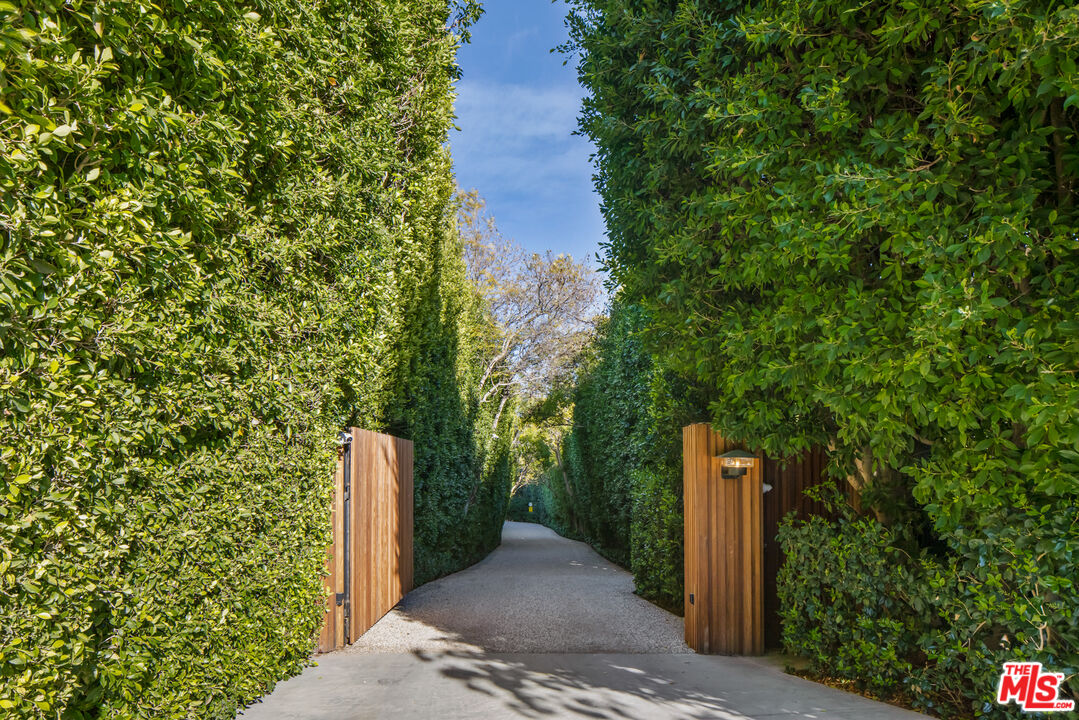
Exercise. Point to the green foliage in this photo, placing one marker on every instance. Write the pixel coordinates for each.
(863, 604)
(657, 540)
(853, 602)
(536, 493)
(215, 219)
(622, 487)
(997, 603)
(855, 224)
(462, 460)
(559, 506)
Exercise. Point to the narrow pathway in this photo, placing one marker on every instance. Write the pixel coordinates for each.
(537, 593)
(544, 628)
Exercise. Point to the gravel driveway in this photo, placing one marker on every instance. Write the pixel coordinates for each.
(545, 628)
(537, 593)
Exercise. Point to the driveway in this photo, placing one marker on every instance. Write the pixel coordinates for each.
(544, 628)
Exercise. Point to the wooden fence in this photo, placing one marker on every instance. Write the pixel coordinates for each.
(789, 482)
(369, 563)
(731, 554)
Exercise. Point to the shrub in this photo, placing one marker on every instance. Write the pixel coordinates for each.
(861, 605)
(215, 218)
(853, 602)
(657, 541)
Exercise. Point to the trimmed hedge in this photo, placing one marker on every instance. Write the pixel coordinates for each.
(623, 459)
(855, 602)
(863, 603)
(218, 221)
(463, 467)
(536, 493)
(856, 225)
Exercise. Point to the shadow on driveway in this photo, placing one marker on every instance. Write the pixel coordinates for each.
(545, 628)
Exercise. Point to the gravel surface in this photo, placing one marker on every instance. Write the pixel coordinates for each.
(545, 628)
(537, 593)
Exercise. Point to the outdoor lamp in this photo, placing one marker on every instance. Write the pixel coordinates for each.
(735, 463)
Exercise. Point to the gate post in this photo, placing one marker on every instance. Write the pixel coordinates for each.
(724, 548)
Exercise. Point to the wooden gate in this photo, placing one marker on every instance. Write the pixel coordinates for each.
(369, 563)
(724, 555)
(731, 554)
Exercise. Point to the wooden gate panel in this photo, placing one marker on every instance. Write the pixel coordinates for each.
(333, 624)
(695, 541)
(376, 563)
(405, 574)
(732, 557)
(723, 560)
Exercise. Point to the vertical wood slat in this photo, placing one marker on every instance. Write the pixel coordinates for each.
(405, 510)
(789, 481)
(381, 527)
(690, 533)
(718, 578)
(339, 630)
(705, 540)
(724, 553)
(362, 566)
(332, 633)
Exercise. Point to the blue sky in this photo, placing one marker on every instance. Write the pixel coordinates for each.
(517, 108)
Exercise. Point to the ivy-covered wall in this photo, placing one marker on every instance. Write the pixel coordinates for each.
(856, 225)
(225, 234)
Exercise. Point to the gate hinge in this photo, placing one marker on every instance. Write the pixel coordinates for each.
(340, 598)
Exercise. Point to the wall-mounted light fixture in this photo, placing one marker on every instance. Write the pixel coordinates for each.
(735, 463)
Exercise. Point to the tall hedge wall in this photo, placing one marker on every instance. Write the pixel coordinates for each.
(622, 485)
(463, 468)
(538, 495)
(856, 224)
(218, 221)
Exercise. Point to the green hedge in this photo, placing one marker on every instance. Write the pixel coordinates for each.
(856, 225)
(536, 493)
(863, 603)
(623, 459)
(855, 602)
(463, 466)
(215, 220)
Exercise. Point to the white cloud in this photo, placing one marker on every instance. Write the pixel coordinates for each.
(517, 147)
(515, 113)
(520, 137)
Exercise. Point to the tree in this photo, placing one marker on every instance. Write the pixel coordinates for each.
(543, 308)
